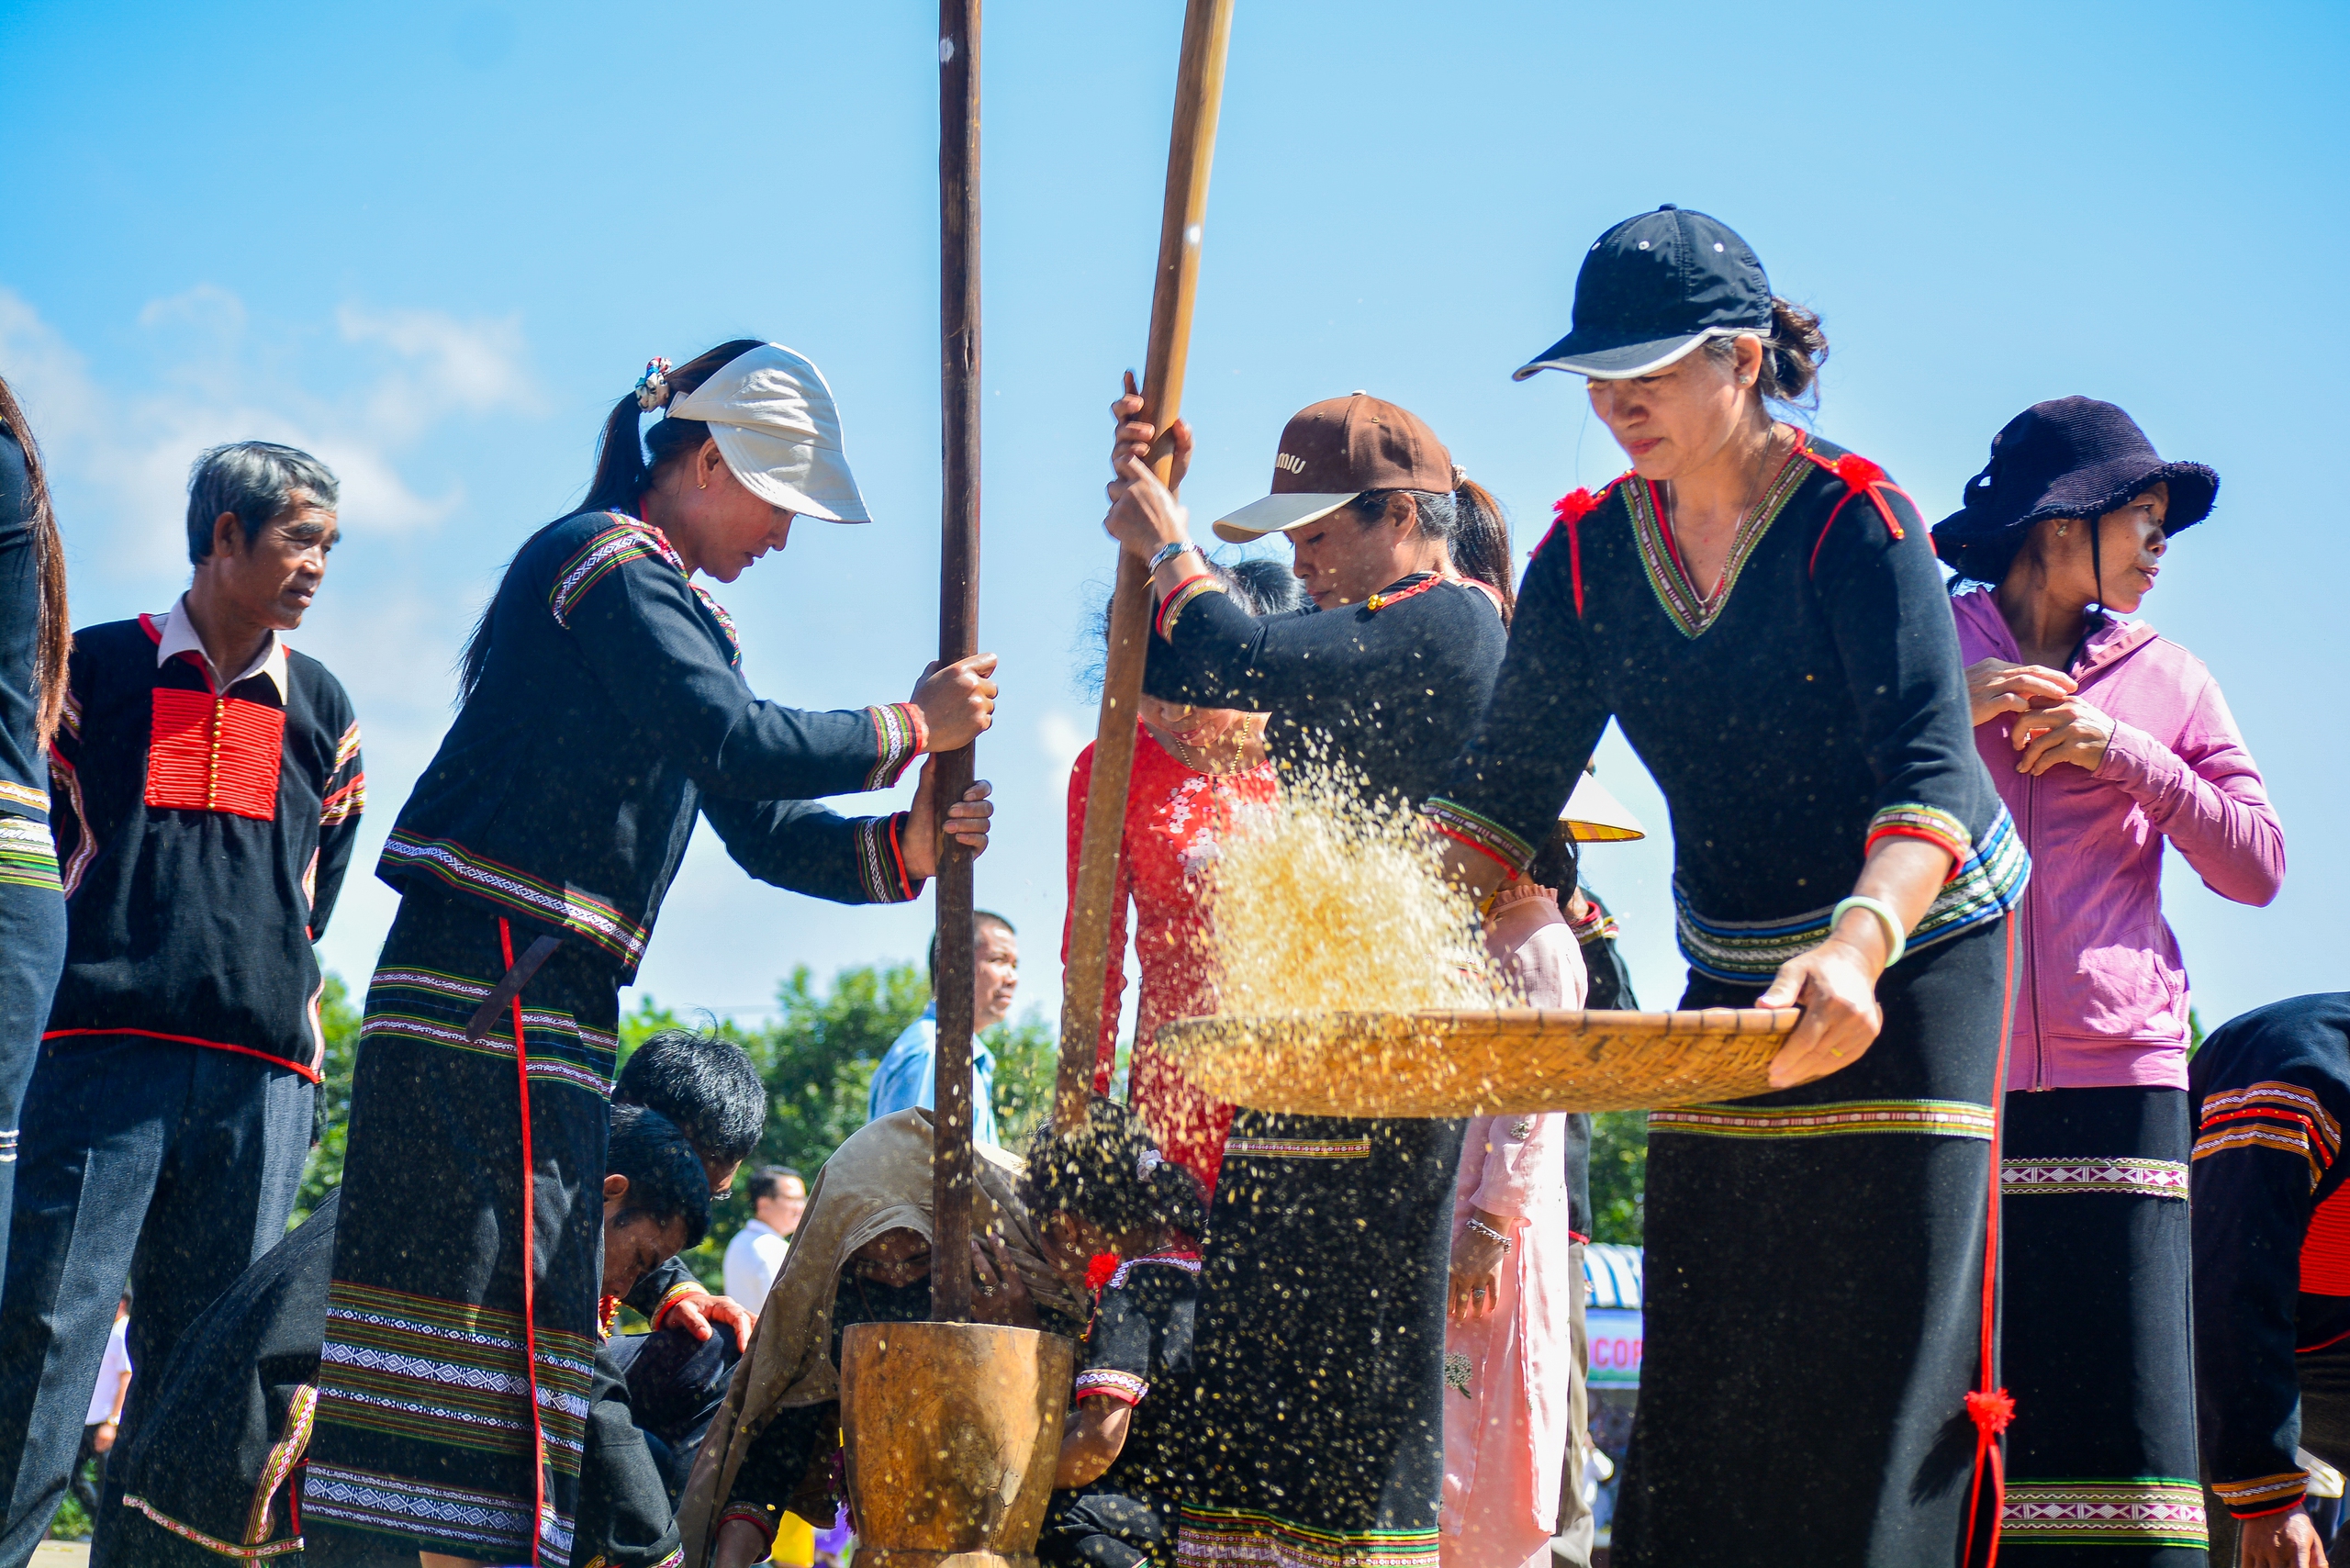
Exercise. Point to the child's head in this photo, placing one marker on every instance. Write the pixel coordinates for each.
(706, 1086)
(1104, 1188)
(656, 1196)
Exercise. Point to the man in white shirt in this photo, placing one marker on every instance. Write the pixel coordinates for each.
(778, 1197)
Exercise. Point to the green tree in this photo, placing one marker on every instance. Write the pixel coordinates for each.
(1619, 1175)
(817, 1057)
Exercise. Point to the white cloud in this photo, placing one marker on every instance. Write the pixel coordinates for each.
(1061, 739)
(120, 438)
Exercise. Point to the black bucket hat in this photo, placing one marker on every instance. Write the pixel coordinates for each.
(2069, 457)
(1652, 288)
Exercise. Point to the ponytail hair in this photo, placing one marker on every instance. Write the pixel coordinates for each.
(623, 470)
(53, 634)
(1468, 522)
(1481, 542)
(1792, 355)
(1110, 1174)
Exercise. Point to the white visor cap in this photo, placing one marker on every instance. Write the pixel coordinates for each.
(778, 428)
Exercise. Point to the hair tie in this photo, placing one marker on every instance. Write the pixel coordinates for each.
(1460, 476)
(652, 388)
(1149, 1161)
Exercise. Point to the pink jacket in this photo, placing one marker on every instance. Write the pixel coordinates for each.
(2100, 992)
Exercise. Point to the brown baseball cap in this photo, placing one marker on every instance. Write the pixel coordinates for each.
(1333, 451)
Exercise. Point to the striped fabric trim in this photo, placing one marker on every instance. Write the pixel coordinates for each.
(2272, 1115)
(346, 748)
(430, 1008)
(286, 1454)
(1297, 1148)
(1936, 826)
(86, 842)
(1187, 1262)
(1940, 1118)
(450, 1373)
(624, 540)
(28, 855)
(898, 732)
(1181, 600)
(2130, 1177)
(676, 1556)
(2152, 1510)
(725, 624)
(1226, 1537)
(1691, 612)
(880, 863)
(1124, 1387)
(69, 719)
(344, 805)
(583, 913)
(8, 1147)
(1479, 833)
(212, 1543)
(2262, 1493)
(37, 798)
(394, 1505)
(1987, 886)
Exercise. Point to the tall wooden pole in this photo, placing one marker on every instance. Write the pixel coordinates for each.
(958, 623)
(1190, 149)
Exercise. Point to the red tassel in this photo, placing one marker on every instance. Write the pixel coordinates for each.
(1575, 504)
(1104, 1264)
(1991, 1412)
(1857, 471)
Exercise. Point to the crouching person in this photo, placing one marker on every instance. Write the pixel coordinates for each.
(206, 1479)
(862, 1255)
(2271, 1218)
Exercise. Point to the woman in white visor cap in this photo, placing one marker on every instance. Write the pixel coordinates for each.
(604, 710)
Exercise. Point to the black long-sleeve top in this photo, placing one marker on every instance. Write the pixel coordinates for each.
(611, 711)
(1389, 687)
(24, 772)
(202, 837)
(2271, 1217)
(1812, 705)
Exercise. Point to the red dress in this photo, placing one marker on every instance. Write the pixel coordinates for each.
(1174, 819)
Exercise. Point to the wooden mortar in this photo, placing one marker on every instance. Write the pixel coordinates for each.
(952, 1432)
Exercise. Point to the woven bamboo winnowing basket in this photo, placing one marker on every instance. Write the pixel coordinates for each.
(1508, 1061)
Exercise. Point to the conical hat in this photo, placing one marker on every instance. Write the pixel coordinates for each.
(1594, 816)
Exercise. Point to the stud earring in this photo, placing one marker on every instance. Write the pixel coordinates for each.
(702, 482)
(2063, 529)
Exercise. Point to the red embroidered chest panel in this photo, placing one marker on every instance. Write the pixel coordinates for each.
(209, 753)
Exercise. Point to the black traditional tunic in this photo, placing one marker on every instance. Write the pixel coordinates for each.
(1321, 1323)
(1138, 1353)
(610, 713)
(211, 1477)
(2271, 1218)
(1813, 1256)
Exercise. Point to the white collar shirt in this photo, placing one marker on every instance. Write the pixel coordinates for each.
(178, 636)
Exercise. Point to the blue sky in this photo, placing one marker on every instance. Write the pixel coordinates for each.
(434, 242)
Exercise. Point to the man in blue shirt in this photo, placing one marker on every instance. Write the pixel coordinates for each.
(907, 1075)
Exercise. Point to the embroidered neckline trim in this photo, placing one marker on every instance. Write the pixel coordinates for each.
(1692, 612)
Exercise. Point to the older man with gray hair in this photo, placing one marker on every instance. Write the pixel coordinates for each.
(207, 788)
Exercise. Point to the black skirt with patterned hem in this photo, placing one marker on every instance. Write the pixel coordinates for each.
(2102, 1460)
(1319, 1433)
(1813, 1296)
(424, 1430)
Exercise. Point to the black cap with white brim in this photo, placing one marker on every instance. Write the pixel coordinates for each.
(1655, 288)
